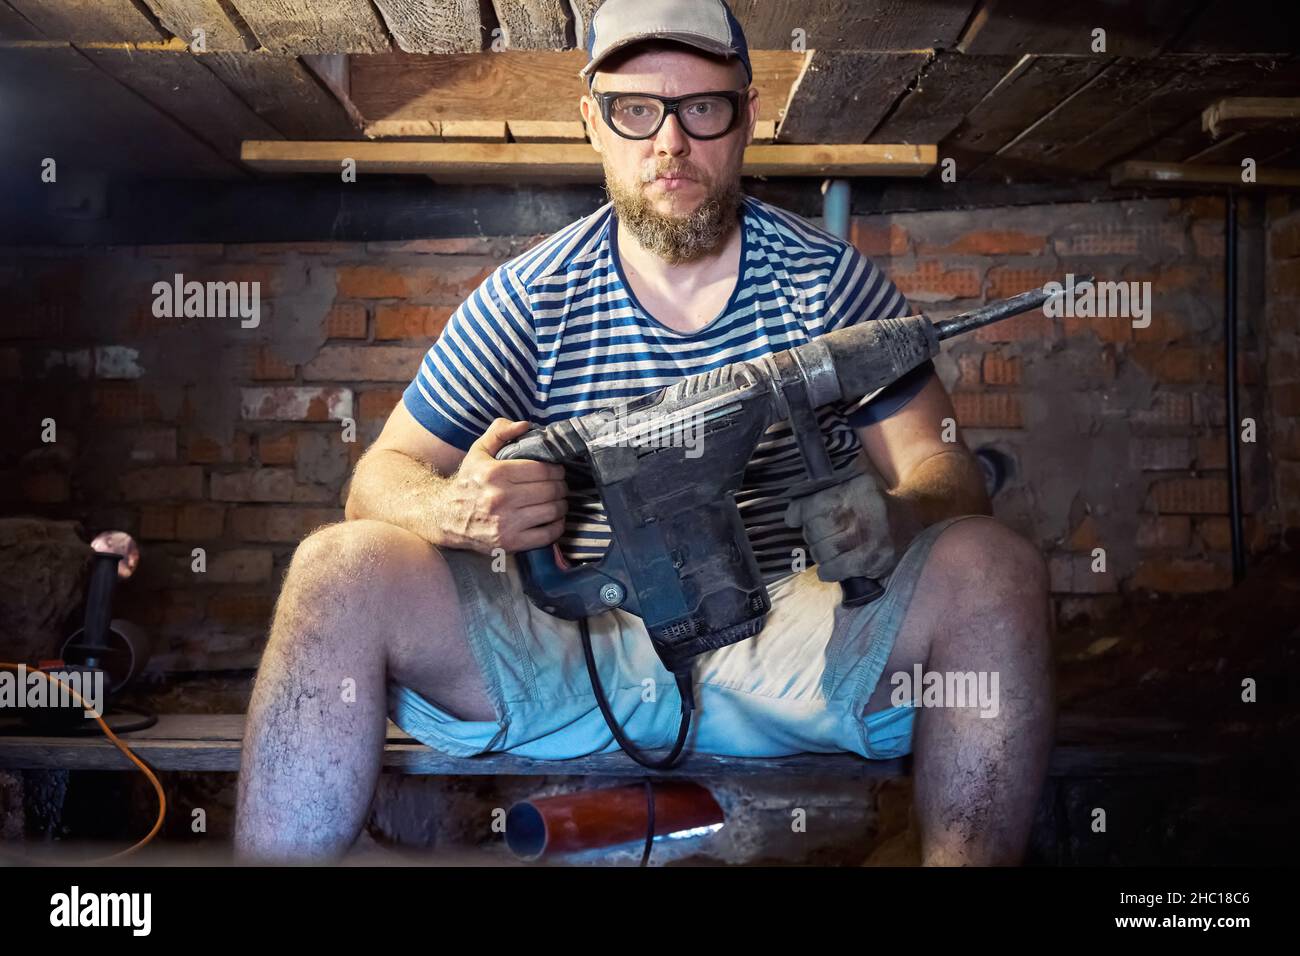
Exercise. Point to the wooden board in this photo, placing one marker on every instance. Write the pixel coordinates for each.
(315, 26)
(86, 121)
(1229, 26)
(1133, 28)
(841, 97)
(103, 20)
(578, 162)
(513, 84)
(1182, 175)
(852, 24)
(212, 742)
(284, 93)
(950, 86)
(1237, 113)
(545, 131)
(438, 26)
(535, 24)
(220, 31)
(180, 86)
(15, 26)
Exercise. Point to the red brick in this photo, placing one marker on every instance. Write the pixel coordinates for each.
(1001, 370)
(1174, 278)
(1284, 278)
(968, 372)
(1180, 575)
(988, 242)
(153, 444)
(364, 363)
(1122, 240)
(1164, 532)
(1285, 399)
(932, 281)
(1026, 327)
(157, 523)
(262, 484)
(46, 488)
(1085, 536)
(240, 608)
(455, 246)
(1284, 237)
(1211, 453)
(278, 524)
(1167, 410)
(1286, 439)
(411, 321)
(450, 280)
(1160, 454)
(266, 366)
(303, 404)
(1006, 281)
(124, 402)
(346, 320)
(240, 566)
(200, 522)
(276, 449)
(378, 403)
(1180, 365)
(988, 409)
(1189, 496)
(154, 484)
(208, 450)
(877, 240)
(1207, 237)
(293, 248)
(1216, 534)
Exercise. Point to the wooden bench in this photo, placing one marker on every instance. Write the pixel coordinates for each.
(1086, 747)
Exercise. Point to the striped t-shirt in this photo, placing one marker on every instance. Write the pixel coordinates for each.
(556, 332)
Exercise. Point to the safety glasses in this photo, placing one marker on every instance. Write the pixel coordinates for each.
(639, 115)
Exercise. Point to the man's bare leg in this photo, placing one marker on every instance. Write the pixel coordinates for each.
(980, 605)
(362, 601)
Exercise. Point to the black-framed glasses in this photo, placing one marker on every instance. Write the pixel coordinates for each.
(702, 115)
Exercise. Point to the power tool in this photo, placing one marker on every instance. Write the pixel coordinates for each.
(679, 557)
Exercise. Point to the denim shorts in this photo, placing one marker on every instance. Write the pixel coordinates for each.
(801, 685)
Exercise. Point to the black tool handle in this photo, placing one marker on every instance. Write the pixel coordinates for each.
(859, 591)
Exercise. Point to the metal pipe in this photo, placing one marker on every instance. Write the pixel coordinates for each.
(1230, 384)
(836, 199)
(1004, 308)
(589, 819)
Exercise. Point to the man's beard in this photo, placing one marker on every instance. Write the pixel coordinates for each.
(677, 238)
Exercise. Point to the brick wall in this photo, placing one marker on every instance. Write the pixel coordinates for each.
(197, 433)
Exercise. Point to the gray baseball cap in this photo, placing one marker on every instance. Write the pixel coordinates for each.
(708, 25)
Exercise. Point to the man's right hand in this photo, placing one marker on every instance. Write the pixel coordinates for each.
(513, 505)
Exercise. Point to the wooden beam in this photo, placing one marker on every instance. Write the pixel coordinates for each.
(1234, 114)
(1030, 26)
(487, 162)
(178, 85)
(535, 24)
(221, 31)
(333, 70)
(851, 24)
(513, 84)
(1136, 173)
(1228, 26)
(477, 131)
(425, 130)
(315, 26)
(438, 26)
(546, 131)
(15, 26)
(283, 92)
(841, 97)
(950, 86)
(118, 21)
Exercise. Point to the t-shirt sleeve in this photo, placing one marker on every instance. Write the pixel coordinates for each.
(482, 366)
(860, 292)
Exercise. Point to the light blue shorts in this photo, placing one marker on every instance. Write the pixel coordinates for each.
(801, 685)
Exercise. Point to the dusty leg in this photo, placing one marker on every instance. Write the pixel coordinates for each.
(980, 605)
(362, 601)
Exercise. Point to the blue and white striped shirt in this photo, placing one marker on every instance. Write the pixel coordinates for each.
(556, 332)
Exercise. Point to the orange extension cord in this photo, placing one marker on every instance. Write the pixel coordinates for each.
(117, 742)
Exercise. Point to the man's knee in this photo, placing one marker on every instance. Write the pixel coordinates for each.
(982, 555)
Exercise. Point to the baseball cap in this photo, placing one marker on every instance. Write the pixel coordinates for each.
(708, 25)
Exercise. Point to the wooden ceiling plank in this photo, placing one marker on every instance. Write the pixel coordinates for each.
(15, 26)
(571, 162)
(840, 97)
(178, 85)
(315, 26)
(479, 131)
(1027, 93)
(950, 87)
(1259, 145)
(1227, 26)
(422, 130)
(547, 131)
(184, 18)
(69, 104)
(1237, 113)
(535, 24)
(438, 26)
(1136, 173)
(545, 84)
(880, 25)
(283, 92)
(118, 21)
(334, 71)
(1132, 29)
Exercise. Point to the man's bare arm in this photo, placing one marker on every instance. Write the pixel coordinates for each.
(455, 499)
(934, 479)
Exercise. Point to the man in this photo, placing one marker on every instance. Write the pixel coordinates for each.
(415, 601)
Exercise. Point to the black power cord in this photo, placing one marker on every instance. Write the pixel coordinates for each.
(632, 750)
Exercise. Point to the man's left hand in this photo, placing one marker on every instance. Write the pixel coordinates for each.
(853, 529)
